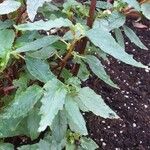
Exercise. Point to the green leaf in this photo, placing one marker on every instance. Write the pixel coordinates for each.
(26, 38)
(49, 7)
(75, 118)
(38, 44)
(74, 81)
(103, 5)
(101, 23)
(133, 37)
(60, 45)
(29, 147)
(88, 144)
(32, 7)
(45, 25)
(145, 8)
(9, 6)
(6, 146)
(6, 40)
(70, 146)
(95, 103)
(5, 24)
(115, 20)
(10, 127)
(39, 69)
(44, 53)
(21, 83)
(83, 73)
(42, 145)
(98, 69)
(119, 37)
(59, 126)
(99, 52)
(52, 102)
(100, 38)
(66, 74)
(133, 3)
(23, 103)
(33, 121)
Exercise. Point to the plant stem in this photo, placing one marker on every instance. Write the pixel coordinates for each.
(20, 13)
(81, 46)
(68, 55)
(90, 19)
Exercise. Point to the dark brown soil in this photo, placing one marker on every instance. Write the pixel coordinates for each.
(131, 102)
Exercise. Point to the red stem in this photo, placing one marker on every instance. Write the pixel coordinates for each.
(81, 46)
(90, 19)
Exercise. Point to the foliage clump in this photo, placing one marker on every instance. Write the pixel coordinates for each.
(49, 58)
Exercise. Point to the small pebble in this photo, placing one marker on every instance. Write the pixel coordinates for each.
(103, 144)
(103, 121)
(147, 70)
(108, 127)
(121, 131)
(145, 106)
(126, 96)
(134, 125)
(101, 140)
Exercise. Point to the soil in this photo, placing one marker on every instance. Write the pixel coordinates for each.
(131, 102)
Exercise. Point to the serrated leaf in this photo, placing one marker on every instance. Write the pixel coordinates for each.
(32, 7)
(45, 25)
(6, 40)
(9, 6)
(100, 38)
(98, 69)
(6, 146)
(88, 144)
(70, 146)
(95, 103)
(133, 37)
(29, 147)
(60, 45)
(8, 127)
(33, 120)
(44, 53)
(59, 126)
(44, 145)
(145, 8)
(66, 74)
(5, 24)
(21, 84)
(115, 20)
(52, 102)
(26, 38)
(101, 23)
(23, 103)
(83, 73)
(39, 69)
(74, 81)
(75, 118)
(119, 37)
(103, 5)
(133, 3)
(38, 44)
